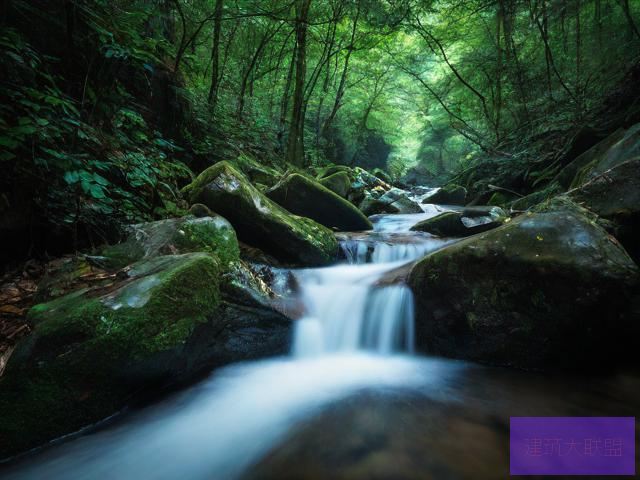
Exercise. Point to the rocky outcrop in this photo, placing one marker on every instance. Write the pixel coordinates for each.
(304, 196)
(259, 221)
(541, 291)
(448, 195)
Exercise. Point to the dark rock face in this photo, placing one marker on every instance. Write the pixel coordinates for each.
(540, 291)
(617, 148)
(261, 222)
(448, 195)
(306, 197)
(615, 195)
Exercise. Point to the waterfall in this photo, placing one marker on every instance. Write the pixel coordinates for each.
(347, 311)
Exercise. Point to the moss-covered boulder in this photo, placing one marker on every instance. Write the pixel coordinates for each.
(257, 172)
(460, 224)
(212, 234)
(339, 183)
(92, 349)
(259, 221)
(448, 195)
(329, 170)
(304, 196)
(544, 290)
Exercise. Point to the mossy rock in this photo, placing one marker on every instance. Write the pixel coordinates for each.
(257, 172)
(382, 175)
(448, 195)
(259, 221)
(306, 197)
(455, 224)
(620, 146)
(92, 349)
(339, 183)
(211, 234)
(329, 170)
(545, 290)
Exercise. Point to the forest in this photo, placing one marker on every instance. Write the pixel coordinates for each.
(333, 200)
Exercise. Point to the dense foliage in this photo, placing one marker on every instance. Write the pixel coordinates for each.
(109, 106)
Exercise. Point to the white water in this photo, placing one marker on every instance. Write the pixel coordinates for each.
(354, 335)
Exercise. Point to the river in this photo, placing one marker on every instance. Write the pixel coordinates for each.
(352, 400)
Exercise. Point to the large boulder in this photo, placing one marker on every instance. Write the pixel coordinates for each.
(160, 323)
(339, 183)
(211, 233)
(257, 172)
(448, 195)
(543, 290)
(462, 224)
(259, 221)
(304, 196)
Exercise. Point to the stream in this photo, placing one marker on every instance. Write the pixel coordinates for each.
(352, 400)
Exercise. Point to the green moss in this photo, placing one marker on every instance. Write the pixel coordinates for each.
(260, 221)
(209, 234)
(306, 197)
(339, 183)
(89, 352)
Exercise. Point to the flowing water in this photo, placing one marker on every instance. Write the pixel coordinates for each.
(351, 401)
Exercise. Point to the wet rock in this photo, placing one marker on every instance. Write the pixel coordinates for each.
(543, 290)
(399, 200)
(457, 224)
(93, 349)
(259, 221)
(448, 195)
(372, 206)
(211, 233)
(333, 169)
(339, 183)
(304, 196)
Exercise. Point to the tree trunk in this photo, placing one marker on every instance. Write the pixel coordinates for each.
(343, 79)
(215, 55)
(295, 142)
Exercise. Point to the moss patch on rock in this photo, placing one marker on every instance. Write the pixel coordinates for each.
(92, 349)
(212, 234)
(259, 221)
(542, 290)
(306, 197)
(339, 183)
